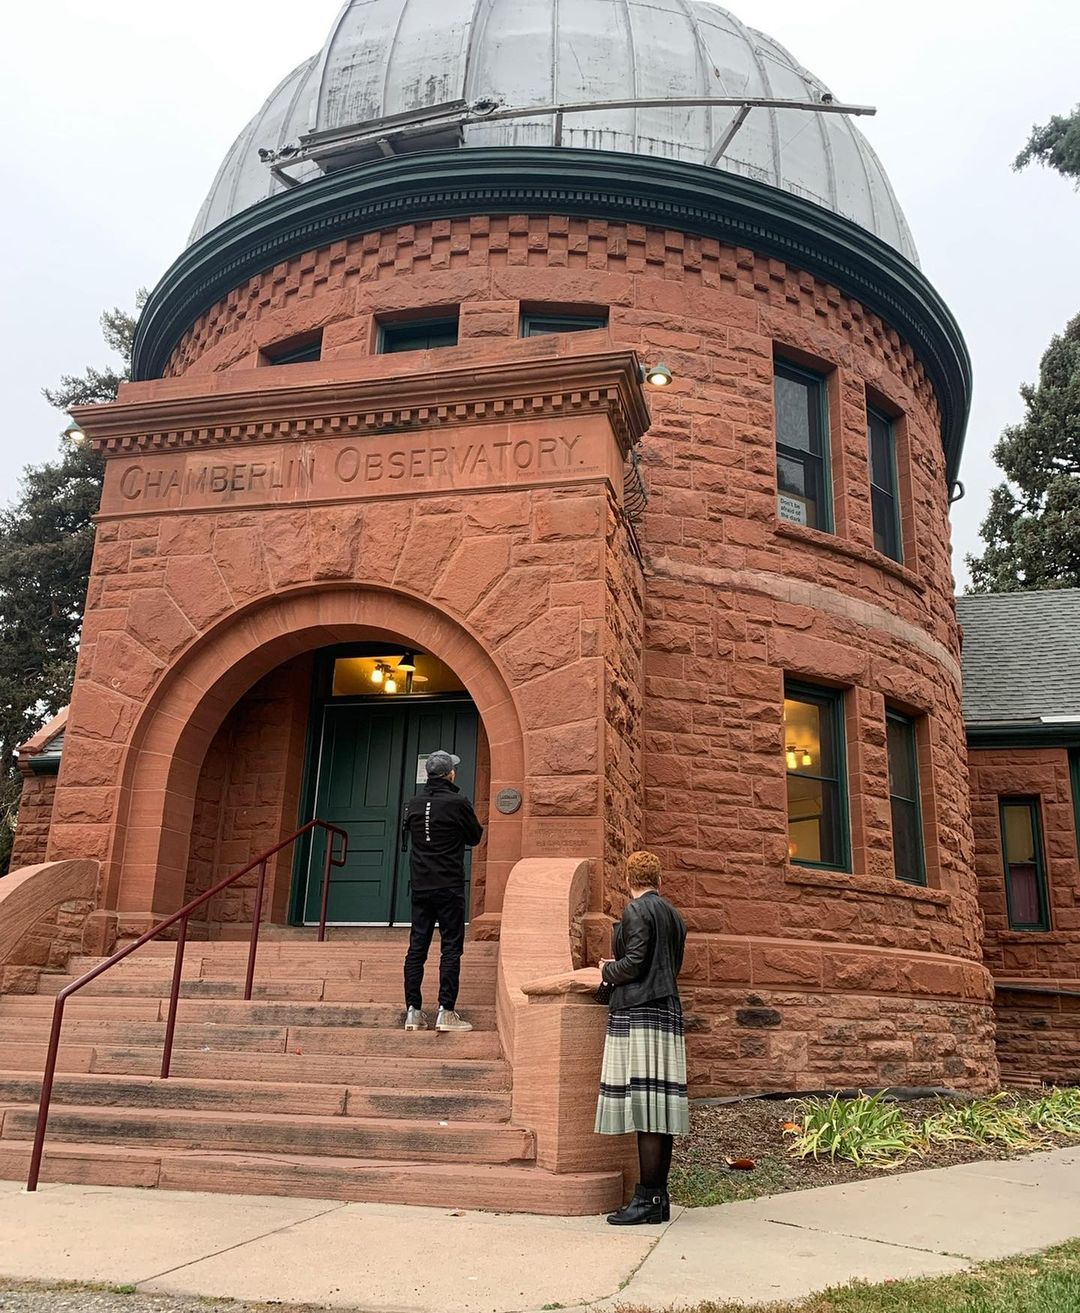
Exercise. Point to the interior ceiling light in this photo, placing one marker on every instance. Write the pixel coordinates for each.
(407, 662)
(391, 684)
(378, 674)
(792, 760)
(658, 375)
(807, 759)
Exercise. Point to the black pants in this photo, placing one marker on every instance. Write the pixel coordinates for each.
(446, 909)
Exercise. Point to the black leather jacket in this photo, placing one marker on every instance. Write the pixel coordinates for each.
(649, 944)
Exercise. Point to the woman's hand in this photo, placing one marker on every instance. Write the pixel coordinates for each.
(604, 961)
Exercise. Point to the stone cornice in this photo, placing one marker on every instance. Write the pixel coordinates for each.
(335, 400)
(598, 184)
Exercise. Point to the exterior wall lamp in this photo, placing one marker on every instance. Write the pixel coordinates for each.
(658, 375)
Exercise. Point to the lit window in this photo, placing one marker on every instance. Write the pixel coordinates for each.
(1025, 873)
(417, 335)
(884, 499)
(816, 785)
(541, 325)
(802, 463)
(909, 859)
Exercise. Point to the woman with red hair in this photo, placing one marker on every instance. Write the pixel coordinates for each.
(643, 1079)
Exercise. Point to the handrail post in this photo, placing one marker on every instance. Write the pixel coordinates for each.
(325, 902)
(174, 999)
(255, 919)
(45, 1098)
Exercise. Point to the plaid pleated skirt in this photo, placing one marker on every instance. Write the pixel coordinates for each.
(643, 1078)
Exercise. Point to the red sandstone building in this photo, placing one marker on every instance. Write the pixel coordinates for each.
(390, 477)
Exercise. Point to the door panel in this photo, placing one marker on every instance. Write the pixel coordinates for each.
(359, 789)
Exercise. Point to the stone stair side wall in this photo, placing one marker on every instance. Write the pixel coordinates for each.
(43, 915)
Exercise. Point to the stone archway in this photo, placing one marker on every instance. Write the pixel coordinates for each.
(146, 872)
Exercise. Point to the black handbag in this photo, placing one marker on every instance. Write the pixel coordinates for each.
(603, 993)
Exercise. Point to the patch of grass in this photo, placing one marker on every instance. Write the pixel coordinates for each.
(1042, 1283)
(699, 1185)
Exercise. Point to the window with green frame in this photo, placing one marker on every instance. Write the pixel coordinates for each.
(417, 335)
(884, 489)
(909, 854)
(540, 325)
(803, 491)
(1025, 867)
(817, 801)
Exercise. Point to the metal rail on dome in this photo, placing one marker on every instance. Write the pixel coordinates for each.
(182, 917)
(384, 134)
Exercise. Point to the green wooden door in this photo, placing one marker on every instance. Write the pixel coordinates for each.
(367, 768)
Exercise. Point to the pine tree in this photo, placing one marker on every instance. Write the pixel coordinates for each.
(46, 544)
(1055, 144)
(1032, 530)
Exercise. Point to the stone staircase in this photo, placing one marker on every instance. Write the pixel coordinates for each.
(310, 1089)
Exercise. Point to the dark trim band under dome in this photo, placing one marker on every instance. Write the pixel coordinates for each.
(594, 184)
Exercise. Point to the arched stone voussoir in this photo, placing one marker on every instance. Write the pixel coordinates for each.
(192, 699)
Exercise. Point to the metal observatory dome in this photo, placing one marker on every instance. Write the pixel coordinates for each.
(399, 76)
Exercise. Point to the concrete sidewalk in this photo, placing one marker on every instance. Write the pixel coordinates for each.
(379, 1257)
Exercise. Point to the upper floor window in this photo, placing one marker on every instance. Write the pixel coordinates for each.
(417, 334)
(909, 857)
(1025, 869)
(540, 325)
(884, 496)
(802, 454)
(816, 777)
(295, 350)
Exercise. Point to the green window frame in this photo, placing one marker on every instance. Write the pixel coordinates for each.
(418, 335)
(817, 785)
(541, 325)
(1026, 894)
(905, 797)
(803, 475)
(884, 484)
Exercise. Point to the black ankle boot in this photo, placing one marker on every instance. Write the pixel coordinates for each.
(665, 1207)
(645, 1209)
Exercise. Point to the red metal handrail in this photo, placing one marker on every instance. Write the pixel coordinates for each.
(49, 1075)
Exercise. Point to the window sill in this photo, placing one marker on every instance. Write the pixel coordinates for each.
(855, 551)
(1042, 936)
(866, 884)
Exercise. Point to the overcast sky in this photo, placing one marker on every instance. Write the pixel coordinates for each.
(119, 112)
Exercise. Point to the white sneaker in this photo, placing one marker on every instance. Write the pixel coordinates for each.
(447, 1019)
(416, 1020)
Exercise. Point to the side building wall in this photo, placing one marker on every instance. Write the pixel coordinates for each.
(1037, 972)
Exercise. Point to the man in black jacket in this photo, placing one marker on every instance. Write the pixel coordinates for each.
(441, 823)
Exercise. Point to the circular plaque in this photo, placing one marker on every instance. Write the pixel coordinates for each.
(508, 801)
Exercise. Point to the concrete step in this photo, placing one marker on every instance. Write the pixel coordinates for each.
(499, 1188)
(420, 1074)
(381, 989)
(117, 1031)
(281, 1098)
(234, 1011)
(337, 1136)
(355, 1040)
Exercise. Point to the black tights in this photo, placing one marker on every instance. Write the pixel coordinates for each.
(654, 1159)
